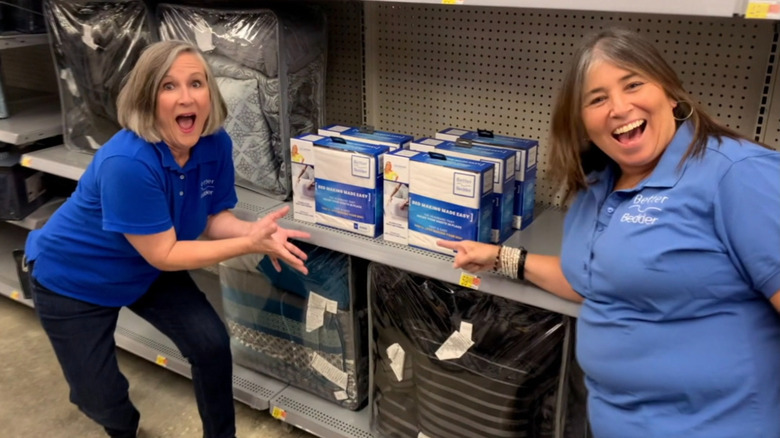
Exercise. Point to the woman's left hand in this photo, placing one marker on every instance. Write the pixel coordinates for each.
(273, 240)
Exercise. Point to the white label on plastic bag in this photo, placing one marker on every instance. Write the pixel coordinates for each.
(329, 371)
(67, 76)
(203, 38)
(422, 435)
(331, 306)
(33, 186)
(396, 354)
(86, 36)
(454, 347)
(315, 312)
(340, 395)
(465, 329)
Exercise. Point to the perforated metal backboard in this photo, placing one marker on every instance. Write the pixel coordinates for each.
(429, 67)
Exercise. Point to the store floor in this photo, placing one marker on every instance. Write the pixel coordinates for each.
(34, 395)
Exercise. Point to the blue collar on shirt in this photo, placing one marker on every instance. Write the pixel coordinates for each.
(666, 172)
(198, 155)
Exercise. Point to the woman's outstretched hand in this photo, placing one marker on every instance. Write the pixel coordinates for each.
(271, 239)
(472, 256)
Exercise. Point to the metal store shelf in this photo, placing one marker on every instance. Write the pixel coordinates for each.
(32, 120)
(320, 417)
(11, 237)
(11, 41)
(543, 236)
(58, 160)
(140, 338)
(712, 8)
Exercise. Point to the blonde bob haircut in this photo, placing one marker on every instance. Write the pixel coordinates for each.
(137, 100)
(572, 155)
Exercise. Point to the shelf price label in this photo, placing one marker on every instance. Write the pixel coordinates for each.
(452, 2)
(470, 281)
(26, 161)
(278, 413)
(161, 360)
(15, 295)
(763, 10)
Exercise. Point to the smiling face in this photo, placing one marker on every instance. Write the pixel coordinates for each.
(628, 116)
(183, 104)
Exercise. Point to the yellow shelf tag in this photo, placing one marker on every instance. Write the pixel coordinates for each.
(452, 2)
(26, 161)
(469, 280)
(763, 10)
(278, 413)
(161, 360)
(15, 295)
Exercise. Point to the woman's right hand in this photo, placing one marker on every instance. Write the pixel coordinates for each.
(269, 238)
(472, 256)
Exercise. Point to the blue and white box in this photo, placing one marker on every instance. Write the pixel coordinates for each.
(525, 166)
(389, 139)
(396, 196)
(349, 185)
(303, 184)
(503, 178)
(450, 198)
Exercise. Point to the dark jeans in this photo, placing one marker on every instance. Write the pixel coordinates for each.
(82, 335)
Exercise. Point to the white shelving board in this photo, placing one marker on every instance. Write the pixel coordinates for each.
(12, 41)
(31, 120)
(58, 160)
(712, 8)
(11, 237)
(38, 218)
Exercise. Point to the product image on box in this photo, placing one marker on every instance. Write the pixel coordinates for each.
(396, 195)
(305, 330)
(450, 198)
(303, 174)
(349, 191)
(452, 362)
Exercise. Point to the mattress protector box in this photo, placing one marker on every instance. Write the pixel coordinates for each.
(450, 198)
(348, 193)
(525, 166)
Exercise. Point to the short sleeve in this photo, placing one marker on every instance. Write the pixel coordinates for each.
(747, 219)
(132, 197)
(225, 196)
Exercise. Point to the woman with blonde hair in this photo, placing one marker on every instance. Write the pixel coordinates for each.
(129, 233)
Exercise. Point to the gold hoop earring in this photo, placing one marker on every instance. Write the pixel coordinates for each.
(690, 113)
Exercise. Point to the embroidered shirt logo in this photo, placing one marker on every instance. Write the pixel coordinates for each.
(206, 188)
(644, 209)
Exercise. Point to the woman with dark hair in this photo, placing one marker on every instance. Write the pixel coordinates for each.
(671, 243)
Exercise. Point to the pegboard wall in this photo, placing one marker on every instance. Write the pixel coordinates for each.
(428, 67)
(344, 87)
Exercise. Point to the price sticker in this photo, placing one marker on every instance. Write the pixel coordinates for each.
(452, 2)
(469, 280)
(161, 360)
(757, 10)
(26, 161)
(15, 295)
(278, 413)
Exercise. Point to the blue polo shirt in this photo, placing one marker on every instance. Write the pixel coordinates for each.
(676, 334)
(135, 187)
